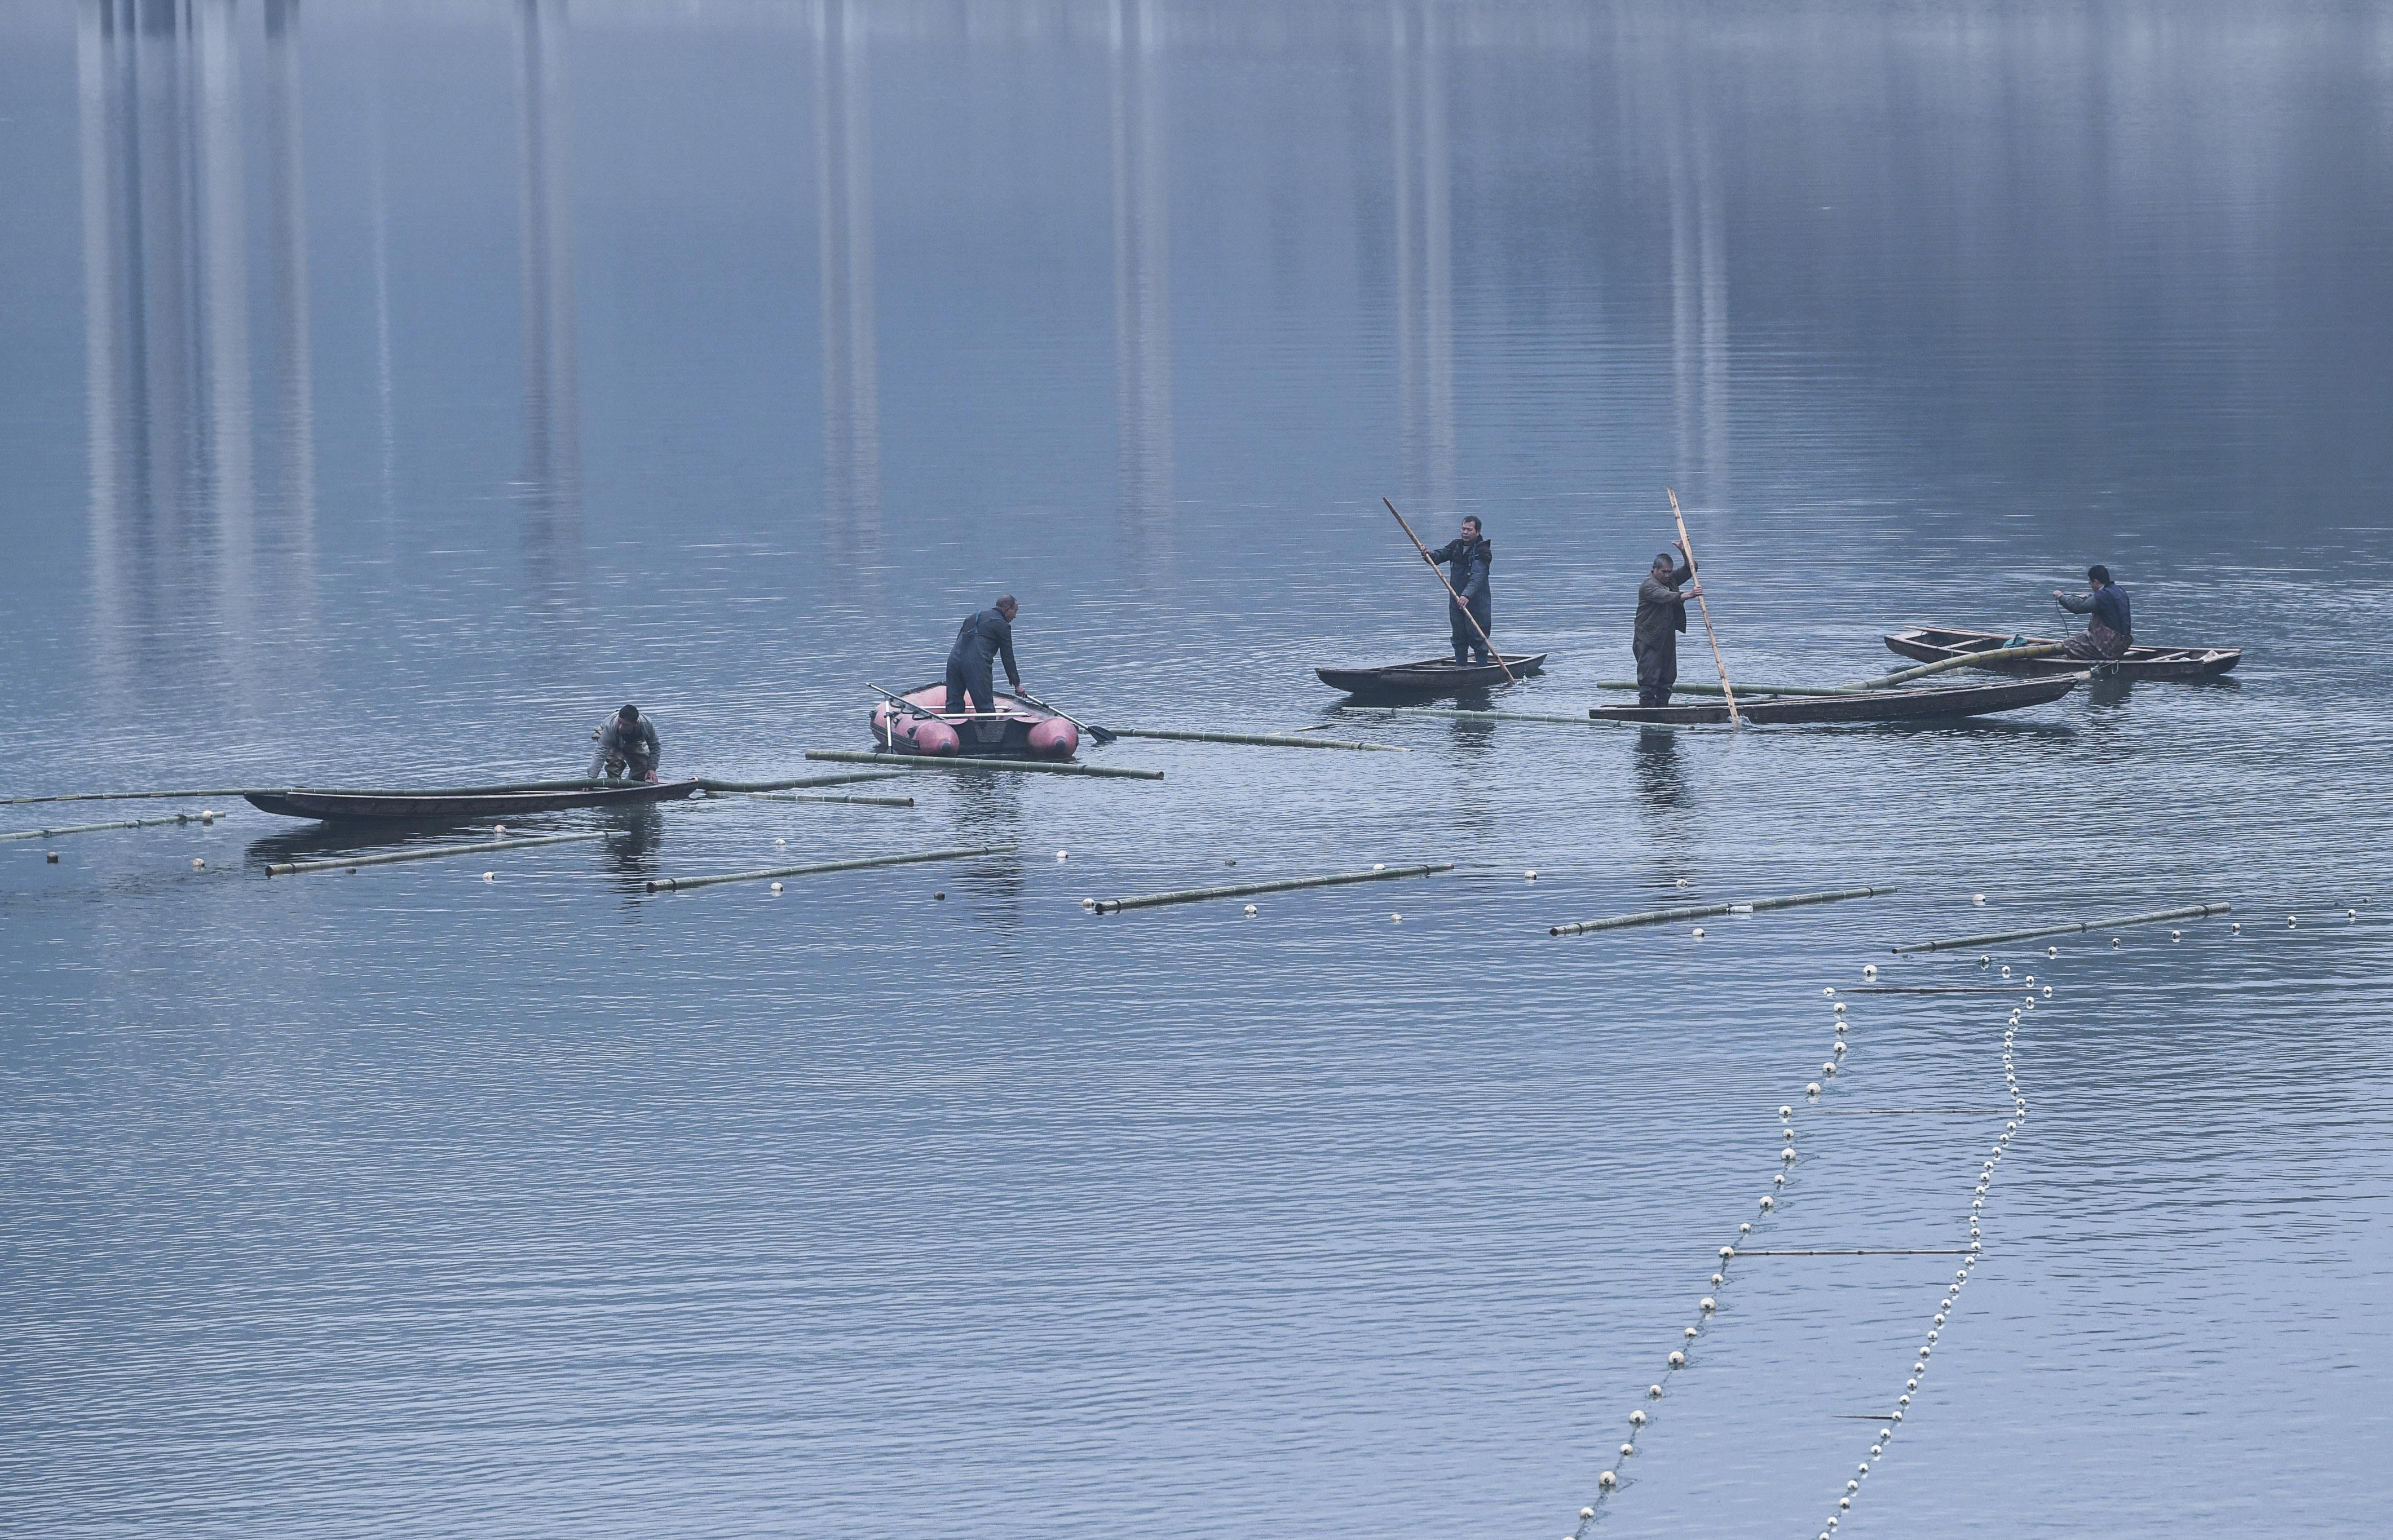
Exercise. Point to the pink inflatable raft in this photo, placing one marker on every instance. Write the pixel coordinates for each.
(1016, 730)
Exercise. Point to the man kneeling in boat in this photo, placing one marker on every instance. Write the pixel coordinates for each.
(1661, 615)
(628, 745)
(2108, 633)
(983, 638)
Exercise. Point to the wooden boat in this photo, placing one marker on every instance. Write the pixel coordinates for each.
(1430, 676)
(496, 801)
(1935, 643)
(1016, 730)
(1861, 706)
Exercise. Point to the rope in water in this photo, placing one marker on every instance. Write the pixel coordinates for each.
(1708, 1307)
(1952, 1297)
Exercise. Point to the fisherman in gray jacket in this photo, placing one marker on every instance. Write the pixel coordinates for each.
(1474, 619)
(1661, 615)
(627, 745)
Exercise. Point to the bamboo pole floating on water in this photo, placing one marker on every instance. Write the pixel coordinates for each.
(1705, 604)
(178, 818)
(2039, 649)
(1265, 740)
(683, 884)
(2197, 911)
(827, 797)
(1503, 716)
(927, 762)
(1751, 690)
(1705, 911)
(843, 777)
(129, 796)
(433, 853)
(1242, 890)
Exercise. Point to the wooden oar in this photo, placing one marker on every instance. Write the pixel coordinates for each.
(1101, 735)
(1688, 551)
(1509, 677)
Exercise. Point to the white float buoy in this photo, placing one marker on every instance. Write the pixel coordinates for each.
(1838, 1008)
(1378, 866)
(199, 863)
(1395, 920)
(1606, 1480)
(1978, 899)
(1699, 932)
(1689, 1334)
(1811, 1090)
(1869, 971)
(1063, 855)
(1530, 875)
(1088, 903)
(1707, 1304)
(1682, 881)
(777, 887)
(1653, 1392)
(498, 828)
(1678, 1360)
(781, 842)
(1830, 991)
(1787, 1112)
(489, 877)
(1250, 911)
(1637, 1420)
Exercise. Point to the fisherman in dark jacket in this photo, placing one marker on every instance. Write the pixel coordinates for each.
(983, 638)
(2108, 632)
(627, 745)
(1661, 615)
(1470, 557)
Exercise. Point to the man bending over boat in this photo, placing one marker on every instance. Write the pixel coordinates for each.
(1661, 615)
(980, 641)
(2108, 633)
(1471, 557)
(627, 746)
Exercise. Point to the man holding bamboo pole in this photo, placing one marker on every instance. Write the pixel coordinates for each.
(1661, 615)
(1469, 609)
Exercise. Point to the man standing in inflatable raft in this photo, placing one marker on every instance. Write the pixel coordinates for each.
(983, 638)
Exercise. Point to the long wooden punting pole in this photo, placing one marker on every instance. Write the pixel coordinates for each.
(122, 823)
(2198, 912)
(1705, 911)
(1705, 604)
(683, 884)
(930, 762)
(1263, 740)
(433, 853)
(1241, 890)
(1455, 598)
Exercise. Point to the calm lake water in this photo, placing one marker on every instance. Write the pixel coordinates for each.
(387, 392)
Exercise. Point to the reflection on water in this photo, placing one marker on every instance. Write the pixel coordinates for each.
(1180, 1222)
(550, 481)
(1424, 234)
(1142, 284)
(851, 358)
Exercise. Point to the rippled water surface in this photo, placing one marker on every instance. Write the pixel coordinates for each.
(387, 392)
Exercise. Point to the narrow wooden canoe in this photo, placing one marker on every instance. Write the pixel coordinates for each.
(1430, 676)
(1936, 643)
(1867, 706)
(444, 806)
(1014, 730)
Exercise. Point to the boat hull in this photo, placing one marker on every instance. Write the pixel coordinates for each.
(1863, 706)
(1016, 730)
(1936, 643)
(1432, 677)
(333, 806)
